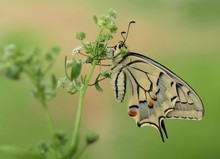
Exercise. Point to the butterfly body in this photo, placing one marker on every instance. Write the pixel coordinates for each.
(156, 92)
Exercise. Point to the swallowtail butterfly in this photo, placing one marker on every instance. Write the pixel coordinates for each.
(156, 92)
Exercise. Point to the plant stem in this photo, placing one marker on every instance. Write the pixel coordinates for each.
(75, 135)
(81, 152)
(50, 127)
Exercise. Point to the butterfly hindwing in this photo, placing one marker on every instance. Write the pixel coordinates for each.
(156, 92)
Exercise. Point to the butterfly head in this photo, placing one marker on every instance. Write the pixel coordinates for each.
(121, 45)
(121, 48)
(118, 48)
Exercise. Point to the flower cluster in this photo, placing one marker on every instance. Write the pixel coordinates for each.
(93, 51)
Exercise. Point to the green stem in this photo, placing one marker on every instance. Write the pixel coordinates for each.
(80, 152)
(75, 135)
(50, 127)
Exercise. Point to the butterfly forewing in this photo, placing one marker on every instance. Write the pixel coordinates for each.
(156, 92)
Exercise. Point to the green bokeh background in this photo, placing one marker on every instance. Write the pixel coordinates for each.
(182, 35)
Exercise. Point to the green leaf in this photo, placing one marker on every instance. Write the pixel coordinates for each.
(83, 79)
(20, 153)
(76, 69)
(98, 87)
(106, 74)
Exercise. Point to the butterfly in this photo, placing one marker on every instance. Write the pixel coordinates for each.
(156, 92)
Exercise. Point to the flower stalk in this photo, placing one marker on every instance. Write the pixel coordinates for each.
(75, 135)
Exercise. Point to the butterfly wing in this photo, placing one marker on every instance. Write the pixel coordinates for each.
(156, 92)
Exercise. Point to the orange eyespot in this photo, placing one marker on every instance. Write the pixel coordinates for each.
(150, 104)
(133, 111)
(154, 97)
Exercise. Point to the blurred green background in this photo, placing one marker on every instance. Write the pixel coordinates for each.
(182, 35)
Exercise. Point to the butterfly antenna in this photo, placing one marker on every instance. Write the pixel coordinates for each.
(122, 34)
(125, 38)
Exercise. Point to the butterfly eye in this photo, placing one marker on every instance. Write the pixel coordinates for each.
(121, 44)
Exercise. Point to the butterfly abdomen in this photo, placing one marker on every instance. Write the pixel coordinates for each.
(119, 85)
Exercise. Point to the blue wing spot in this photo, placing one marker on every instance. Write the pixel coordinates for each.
(161, 75)
(142, 102)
